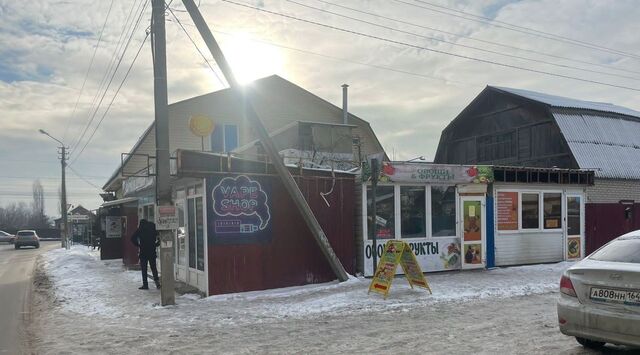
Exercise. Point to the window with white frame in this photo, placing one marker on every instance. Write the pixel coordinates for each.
(552, 208)
(385, 212)
(443, 211)
(413, 211)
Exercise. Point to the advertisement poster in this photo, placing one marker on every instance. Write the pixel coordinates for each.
(472, 221)
(436, 254)
(113, 226)
(166, 217)
(473, 253)
(574, 248)
(239, 209)
(397, 252)
(507, 211)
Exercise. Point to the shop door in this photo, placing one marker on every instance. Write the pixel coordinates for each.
(574, 228)
(473, 231)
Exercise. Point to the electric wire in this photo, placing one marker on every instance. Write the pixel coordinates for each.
(83, 179)
(126, 28)
(459, 44)
(479, 39)
(86, 75)
(196, 46)
(392, 41)
(529, 32)
(109, 84)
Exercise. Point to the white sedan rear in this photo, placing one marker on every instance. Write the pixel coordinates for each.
(600, 295)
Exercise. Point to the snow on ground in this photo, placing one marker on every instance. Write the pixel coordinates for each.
(97, 302)
(87, 286)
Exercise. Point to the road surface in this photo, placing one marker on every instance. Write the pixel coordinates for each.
(16, 279)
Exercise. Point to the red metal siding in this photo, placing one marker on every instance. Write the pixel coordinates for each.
(292, 257)
(606, 221)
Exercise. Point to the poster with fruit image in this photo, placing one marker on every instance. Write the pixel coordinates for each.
(435, 173)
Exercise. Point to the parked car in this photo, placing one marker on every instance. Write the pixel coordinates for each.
(25, 238)
(600, 296)
(6, 237)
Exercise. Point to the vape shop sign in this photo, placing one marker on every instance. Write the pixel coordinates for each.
(239, 209)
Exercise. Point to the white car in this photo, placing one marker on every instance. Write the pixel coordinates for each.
(26, 238)
(600, 296)
(6, 237)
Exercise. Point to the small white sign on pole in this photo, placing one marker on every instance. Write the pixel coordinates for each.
(166, 217)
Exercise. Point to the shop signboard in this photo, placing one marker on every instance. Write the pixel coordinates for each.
(166, 217)
(507, 210)
(113, 226)
(432, 254)
(397, 252)
(435, 173)
(239, 209)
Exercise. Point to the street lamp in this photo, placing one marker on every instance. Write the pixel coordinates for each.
(63, 199)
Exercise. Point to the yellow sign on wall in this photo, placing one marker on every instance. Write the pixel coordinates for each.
(397, 252)
(201, 126)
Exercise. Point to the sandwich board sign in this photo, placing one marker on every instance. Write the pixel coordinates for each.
(397, 252)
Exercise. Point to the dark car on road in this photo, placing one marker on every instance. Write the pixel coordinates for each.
(27, 238)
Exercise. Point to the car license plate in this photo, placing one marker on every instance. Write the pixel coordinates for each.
(628, 297)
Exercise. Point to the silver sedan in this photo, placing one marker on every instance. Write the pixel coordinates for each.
(600, 296)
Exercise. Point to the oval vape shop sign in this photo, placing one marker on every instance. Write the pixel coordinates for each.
(239, 209)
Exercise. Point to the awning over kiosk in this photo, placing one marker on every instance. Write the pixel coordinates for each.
(119, 201)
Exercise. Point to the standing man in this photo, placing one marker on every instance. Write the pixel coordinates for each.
(146, 239)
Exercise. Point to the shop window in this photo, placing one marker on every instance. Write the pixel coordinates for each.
(573, 215)
(384, 212)
(181, 242)
(552, 210)
(191, 232)
(199, 235)
(195, 233)
(530, 211)
(443, 211)
(412, 211)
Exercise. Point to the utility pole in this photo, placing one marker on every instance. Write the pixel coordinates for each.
(267, 143)
(63, 189)
(65, 225)
(163, 188)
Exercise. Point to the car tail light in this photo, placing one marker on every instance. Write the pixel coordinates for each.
(566, 286)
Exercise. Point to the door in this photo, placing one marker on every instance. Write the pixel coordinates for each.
(473, 231)
(574, 230)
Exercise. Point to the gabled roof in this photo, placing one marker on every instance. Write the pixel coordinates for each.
(597, 135)
(565, 102)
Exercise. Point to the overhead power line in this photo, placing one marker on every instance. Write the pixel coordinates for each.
(84, 179)
(392, 41)
(86, 75)
(533, 51)
(108, 85)
(110, 103)
(523, 30)
(126, 28)
(461, 45)
(197, 48)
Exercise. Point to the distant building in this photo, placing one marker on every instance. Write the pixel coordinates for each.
(80, 223)
(521, 128)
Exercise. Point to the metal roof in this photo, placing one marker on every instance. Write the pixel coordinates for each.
(608, 145)
(119, 202)
(565, 102)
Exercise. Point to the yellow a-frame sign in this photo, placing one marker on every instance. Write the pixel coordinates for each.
(397, 252)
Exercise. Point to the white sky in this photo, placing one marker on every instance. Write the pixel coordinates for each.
(46, 46)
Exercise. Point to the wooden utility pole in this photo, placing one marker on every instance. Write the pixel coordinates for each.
(163, 188)
(270, 148)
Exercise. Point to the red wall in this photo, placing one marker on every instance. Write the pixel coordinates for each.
(129, 251)
(606, 221)
(292, 257)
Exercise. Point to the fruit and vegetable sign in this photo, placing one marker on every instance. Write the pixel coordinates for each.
(435, 173)
(397, 252)
(239, 209)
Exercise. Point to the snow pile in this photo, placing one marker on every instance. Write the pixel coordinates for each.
(86, 286)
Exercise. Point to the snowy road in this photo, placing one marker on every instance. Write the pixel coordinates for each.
(16, 270)
(97, 305)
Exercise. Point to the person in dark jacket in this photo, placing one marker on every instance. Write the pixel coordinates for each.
(146, 239)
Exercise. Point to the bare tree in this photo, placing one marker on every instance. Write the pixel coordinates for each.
(38, 217)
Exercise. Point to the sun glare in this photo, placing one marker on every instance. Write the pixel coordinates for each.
(250, 59)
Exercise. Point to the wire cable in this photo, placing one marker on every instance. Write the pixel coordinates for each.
(86, 75)
(461, 45)
(479, 39)
(83, 179)
(530, 32)
(388, 40)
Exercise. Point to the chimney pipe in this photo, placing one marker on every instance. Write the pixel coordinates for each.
(345, 112)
